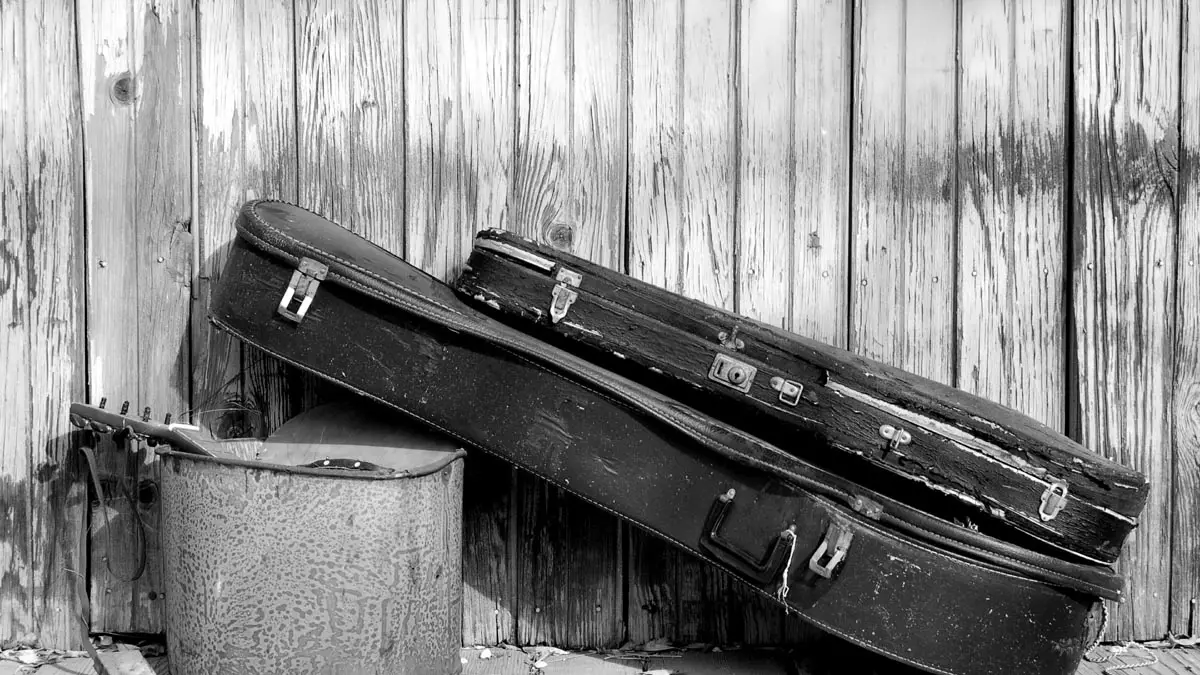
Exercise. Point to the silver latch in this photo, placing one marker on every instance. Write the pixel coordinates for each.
(1053, 500)
(305, 281)
(838, 537)
(789, 391)
(564, 294)
(895, 437)
(732, 373)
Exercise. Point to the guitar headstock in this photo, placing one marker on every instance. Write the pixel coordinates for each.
(124, 427)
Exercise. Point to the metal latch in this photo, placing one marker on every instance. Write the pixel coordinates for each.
(1053, 500)
(732, 373)
(895, 437)
(564, 294)
(838, 537)
(789, 391)
(305, 281)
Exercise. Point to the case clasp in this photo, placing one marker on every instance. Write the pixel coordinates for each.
(303, 286)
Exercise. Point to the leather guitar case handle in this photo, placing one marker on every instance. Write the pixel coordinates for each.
(762, 571)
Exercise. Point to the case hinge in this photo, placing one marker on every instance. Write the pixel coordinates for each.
(305, 281)
(564, 293)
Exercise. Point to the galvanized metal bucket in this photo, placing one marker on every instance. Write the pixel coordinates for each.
(272, 567)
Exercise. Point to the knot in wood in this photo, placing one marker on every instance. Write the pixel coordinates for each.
(123, 89)
(560, 235)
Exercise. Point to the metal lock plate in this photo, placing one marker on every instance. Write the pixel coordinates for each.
(836, 544)
(789, 391)
(303, 286)
(732, 373)
(564, 294)
(1053, 501)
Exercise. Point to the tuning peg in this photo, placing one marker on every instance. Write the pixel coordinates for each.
(100, 427)
(167, 420)
(78, 421)
(103, 400)
(125, 408)
(152, 442)
(146, 414)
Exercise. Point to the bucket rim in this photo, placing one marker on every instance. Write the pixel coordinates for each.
(352, 474)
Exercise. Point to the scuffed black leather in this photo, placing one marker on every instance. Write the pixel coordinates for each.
(954, 603)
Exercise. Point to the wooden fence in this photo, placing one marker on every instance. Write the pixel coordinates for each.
(1000, 194)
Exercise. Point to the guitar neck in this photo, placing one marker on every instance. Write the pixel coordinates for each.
(177, 436)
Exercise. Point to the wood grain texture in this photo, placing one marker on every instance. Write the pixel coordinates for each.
(902, 269)
(569, 565)
(569, 190)
(246, 145)
(681, 147)
(1185, 507)
(821, 163)
(17, 565)
(55, 287)
(137, 60)
(1012, 196)
(766, 92)
(458, 163)
(1126, 149)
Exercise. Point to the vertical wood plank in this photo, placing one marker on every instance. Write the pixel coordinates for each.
(55, 287)
(247, 150)
(902, 266)
(106, 57)
(376, 142)
(16, 446)
(765, 176)
(569, 189)
(821, 162)
(136, 63)
(218, 396)
(460, 85)
(1185, 508)
(433, 119)
(324, 89)
(658, 237)
(1124, 222)
(1012, 170)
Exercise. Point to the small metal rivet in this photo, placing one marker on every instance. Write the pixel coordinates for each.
(825, 274)
(537, 610)
(161, 259)
(1158, 263)
(974, 273)
(597, 609)
(864, 282)
(1089, 266)
(103, 263)
(887, 431)
(936, 279)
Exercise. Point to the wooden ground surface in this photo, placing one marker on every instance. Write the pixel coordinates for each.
(816, 661)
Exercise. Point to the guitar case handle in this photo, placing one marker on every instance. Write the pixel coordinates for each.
(762, 571)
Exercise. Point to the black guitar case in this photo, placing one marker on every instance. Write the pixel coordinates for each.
(888, 428)
(915, 587)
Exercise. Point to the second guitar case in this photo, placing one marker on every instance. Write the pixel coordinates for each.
(885, 427)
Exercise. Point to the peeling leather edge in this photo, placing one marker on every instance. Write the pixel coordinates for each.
(966, 441)
(509, 251)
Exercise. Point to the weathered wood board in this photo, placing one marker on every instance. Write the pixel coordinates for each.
(1012, 167)
(136, 64)
(1185, 505)
(1123, 269)
(999, 194)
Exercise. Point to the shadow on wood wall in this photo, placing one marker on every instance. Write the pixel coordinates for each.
(995, 193)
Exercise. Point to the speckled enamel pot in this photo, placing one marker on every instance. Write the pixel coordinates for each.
(281, 569)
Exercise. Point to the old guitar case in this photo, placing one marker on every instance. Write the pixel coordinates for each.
(902, 582)
(894, 430)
